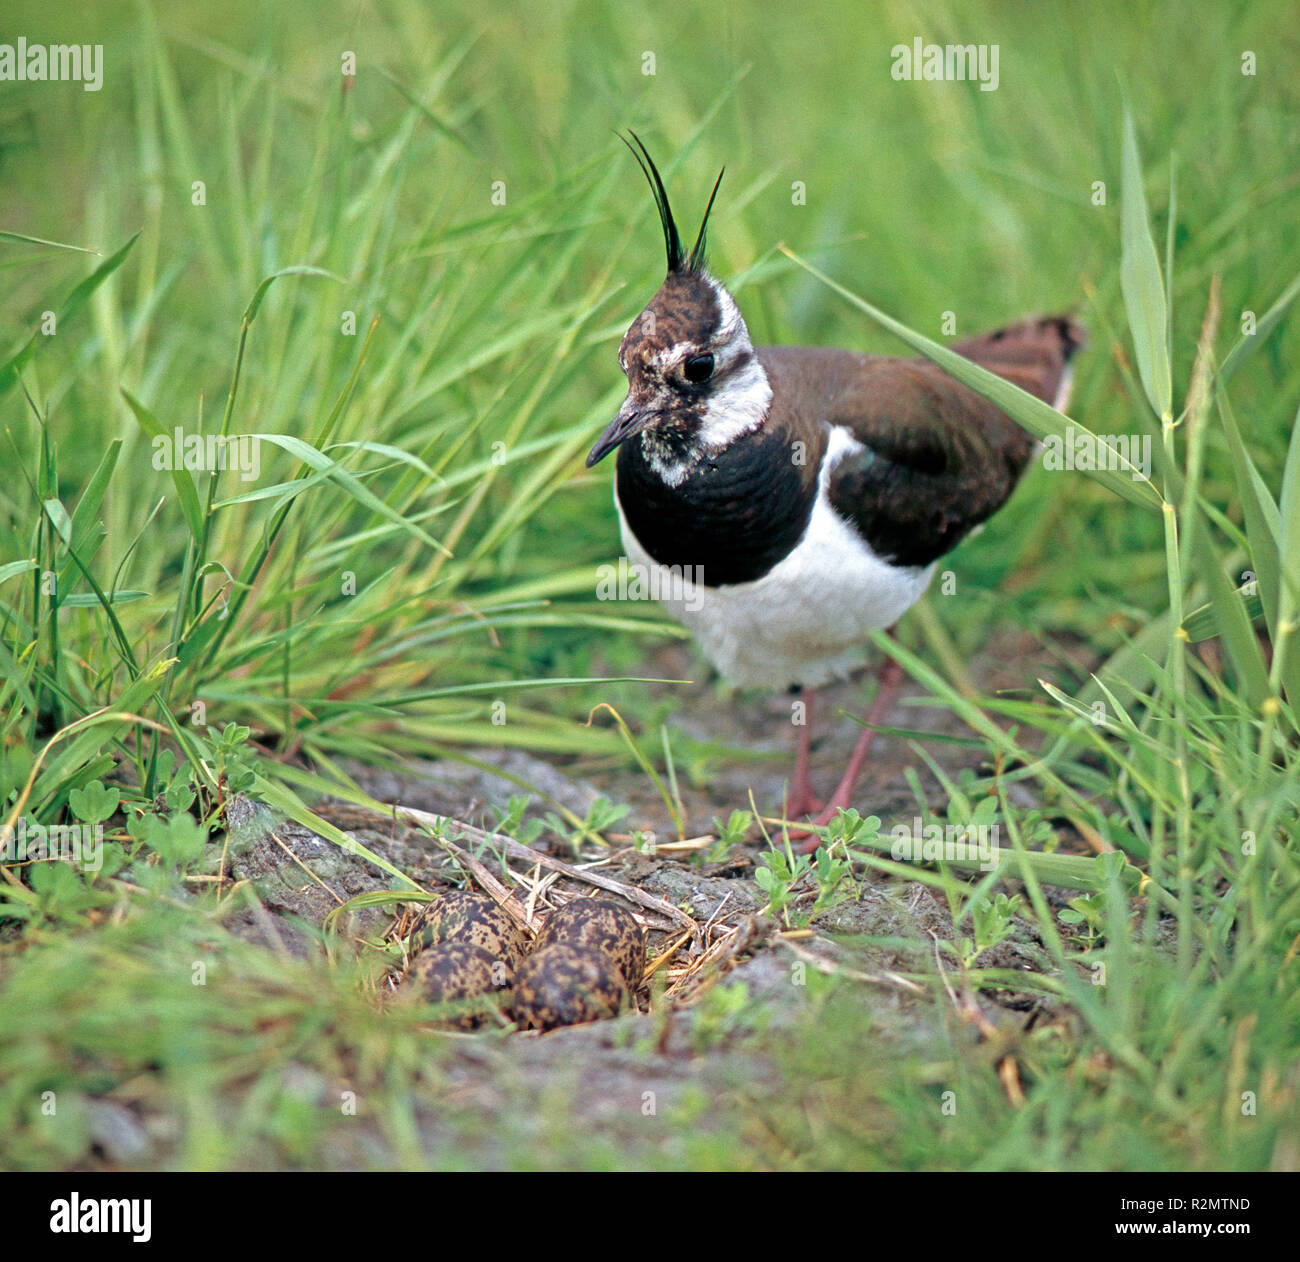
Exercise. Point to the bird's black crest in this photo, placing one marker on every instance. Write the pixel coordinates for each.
(678, 260)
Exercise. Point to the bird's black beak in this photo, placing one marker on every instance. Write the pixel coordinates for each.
(622, 427)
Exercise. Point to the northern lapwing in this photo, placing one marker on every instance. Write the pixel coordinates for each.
(786, 501)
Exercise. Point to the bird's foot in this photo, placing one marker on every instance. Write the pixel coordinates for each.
(890, 677)
(804, 803)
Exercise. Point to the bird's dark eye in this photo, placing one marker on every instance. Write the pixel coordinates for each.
(698, 368)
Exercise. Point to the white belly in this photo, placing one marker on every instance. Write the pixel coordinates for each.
(806, 620)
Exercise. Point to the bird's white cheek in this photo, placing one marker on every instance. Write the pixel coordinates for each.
(739, 407)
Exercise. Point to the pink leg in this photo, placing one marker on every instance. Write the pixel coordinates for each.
(891, 675)
(802, 800)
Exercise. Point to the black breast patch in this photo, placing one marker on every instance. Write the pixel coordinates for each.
(733, 518)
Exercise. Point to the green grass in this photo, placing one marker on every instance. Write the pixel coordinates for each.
(427, 368)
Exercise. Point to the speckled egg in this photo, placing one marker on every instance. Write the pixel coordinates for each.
(469, 917)
(601, 925)
(565, 984)
(458, 973)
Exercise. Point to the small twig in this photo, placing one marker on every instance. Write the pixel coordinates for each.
(500, 893)
(732, 942)
(708, 924)
(1009, 1073)
(969, 1010)
(831, 969)
(943, 976)
(664, 957)
(717, 953)
(275, 837)
(689, 844)
(517, 850)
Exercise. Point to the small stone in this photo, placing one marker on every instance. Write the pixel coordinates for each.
(117, 1131)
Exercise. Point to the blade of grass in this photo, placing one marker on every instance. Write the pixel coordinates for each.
(1140, 282)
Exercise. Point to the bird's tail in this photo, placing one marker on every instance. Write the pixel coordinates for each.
(1033, 354)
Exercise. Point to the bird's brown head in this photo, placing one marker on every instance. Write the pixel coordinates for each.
(687, 357)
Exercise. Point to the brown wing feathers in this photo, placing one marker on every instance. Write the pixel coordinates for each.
(938, 459)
